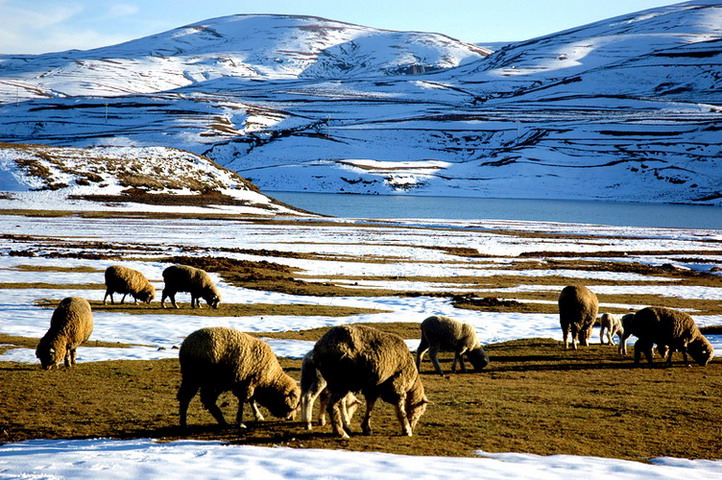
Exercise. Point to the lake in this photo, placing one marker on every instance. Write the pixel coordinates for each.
(463, 208)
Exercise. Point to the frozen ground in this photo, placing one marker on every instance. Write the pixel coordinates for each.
(411, 252)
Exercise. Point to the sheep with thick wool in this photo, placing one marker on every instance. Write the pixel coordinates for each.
(578, 307)
(120, 279)
(70, 325)
(670, 330)
(356, 358)
(220, 359)
(313, 386)
(443, 333)
(609, 326)
(184, 278)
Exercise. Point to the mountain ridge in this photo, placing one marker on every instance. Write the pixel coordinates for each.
(628, 108)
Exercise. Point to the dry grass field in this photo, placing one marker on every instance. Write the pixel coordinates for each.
(534, 397)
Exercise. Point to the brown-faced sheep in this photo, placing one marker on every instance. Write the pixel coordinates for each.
(443, 333)
(578, 308)
(219, 359)
(610, 325)
(119, 279)
(313, 386)
(70, 325)
(672, 329)
(183, 278)
(356, 358)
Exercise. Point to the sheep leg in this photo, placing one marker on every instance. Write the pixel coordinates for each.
(323, 399)
(565, 331)
(68, 358)
(307, 401)
(366, 423)
(185, 393)
(433, 352)
(105, 297)
(335, 414)
(421, 351)
(256, 412)
(209, 396)
(601, 335)
(401, 415)
(642, 346)
(73, 355)
(171, 297)
(460, 356)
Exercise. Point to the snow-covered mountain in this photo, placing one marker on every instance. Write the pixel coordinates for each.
(241, 46)
(627, 109)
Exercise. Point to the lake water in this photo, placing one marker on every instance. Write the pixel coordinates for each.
(565, 211)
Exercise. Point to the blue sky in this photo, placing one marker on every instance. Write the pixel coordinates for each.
(39, 26)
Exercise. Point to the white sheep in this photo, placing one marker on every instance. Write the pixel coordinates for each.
(670, 330)
(610, 325)
(184, 278)
(313, 386)
(443, 333)
(219, 359)
(356, 358)
(120, 279)
(578, 308)
(70, 325)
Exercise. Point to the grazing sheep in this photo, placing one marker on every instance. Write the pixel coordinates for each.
(671, 329)
(578, 308)
(119, 279)
(356, 358)
(70, 325)
(610, 325)
(443, 333)
(183, 278)
(313, 386)
(219, 359)
(626, 322)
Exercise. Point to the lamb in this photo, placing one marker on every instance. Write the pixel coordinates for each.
(70, 325)
(220, 359)
(578, 308)
(119, 279)
(610, 325)
(183, 278)
(443, 333)
(313, 386)
(356, 358)
(671, 330)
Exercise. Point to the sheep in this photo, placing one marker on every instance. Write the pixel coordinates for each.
(183, 278)
(313, 386)
(221, 359)
(626, 326)
(610, 325)
(443, 333)
(70, 325)
(578, 308)
(119, 279)
(670, 330)
(356, 358)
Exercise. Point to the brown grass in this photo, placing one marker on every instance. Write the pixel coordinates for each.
(534, 397)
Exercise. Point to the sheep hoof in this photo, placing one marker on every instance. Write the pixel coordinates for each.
(242, 426)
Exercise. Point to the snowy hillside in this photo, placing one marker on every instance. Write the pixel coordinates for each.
(124, 178)
(624, 109)
(240, 46)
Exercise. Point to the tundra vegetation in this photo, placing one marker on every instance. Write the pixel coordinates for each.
(531, 397)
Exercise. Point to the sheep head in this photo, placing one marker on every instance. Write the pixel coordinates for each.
(701, 350)
(478, 358)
